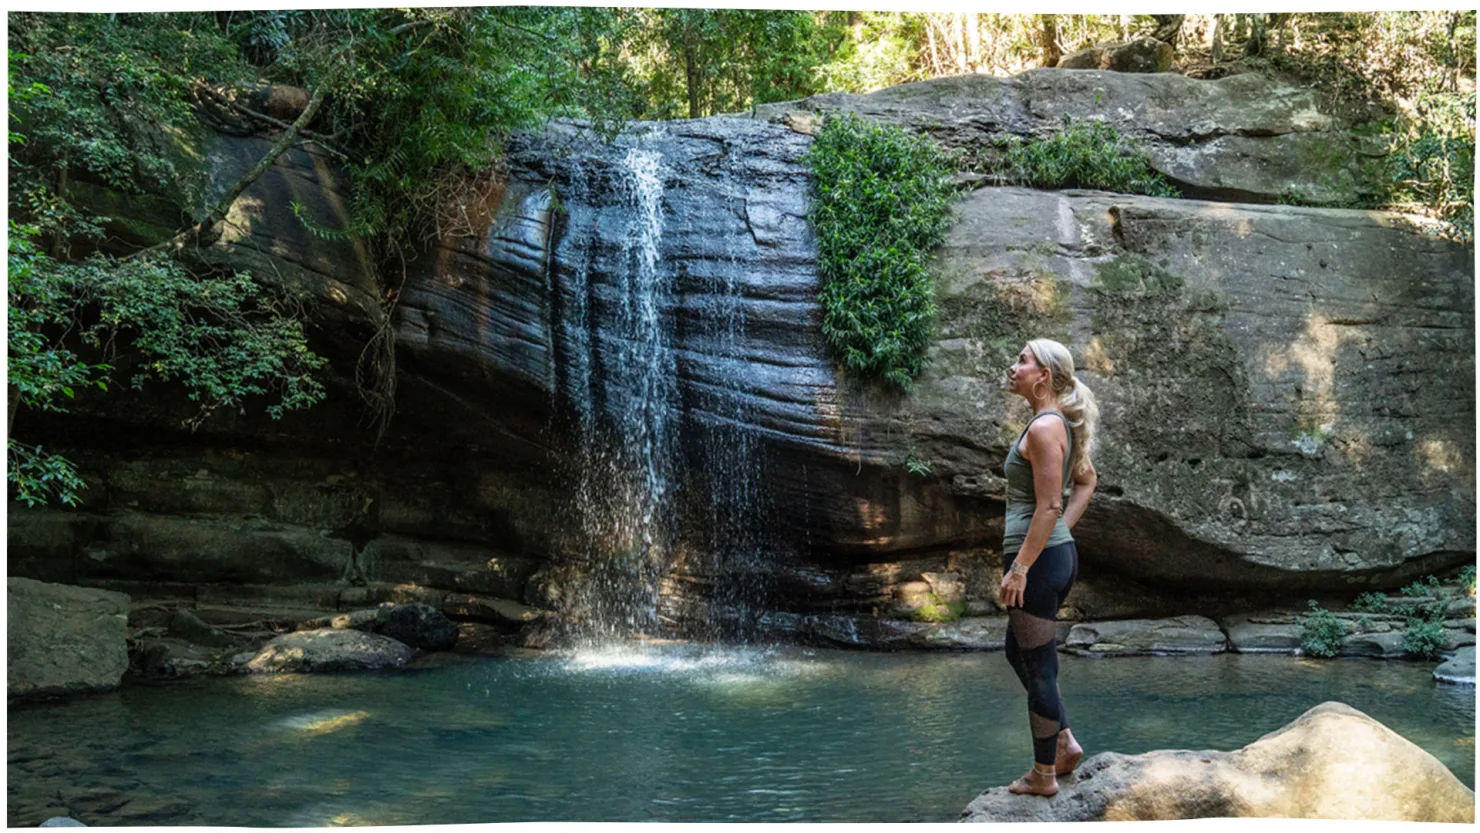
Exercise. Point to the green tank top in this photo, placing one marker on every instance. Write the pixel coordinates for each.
(1021, 499)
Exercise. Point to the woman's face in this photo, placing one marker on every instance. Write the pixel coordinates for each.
(1021, 377)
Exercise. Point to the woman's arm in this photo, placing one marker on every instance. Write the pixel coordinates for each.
(1044, 448)
(1084, 486)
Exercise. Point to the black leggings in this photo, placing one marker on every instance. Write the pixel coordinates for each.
(1031, 648)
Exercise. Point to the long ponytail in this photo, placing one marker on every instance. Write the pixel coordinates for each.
(1075, 399)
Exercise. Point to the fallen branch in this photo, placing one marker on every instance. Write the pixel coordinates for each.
(322, 140)
(218, 213)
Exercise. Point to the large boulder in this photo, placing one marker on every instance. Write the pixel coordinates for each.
(63, 639)
(1262, 633)
(1246, 137)
(329, 649)
(1332, 762)
(1136, 637)
(1143, 55)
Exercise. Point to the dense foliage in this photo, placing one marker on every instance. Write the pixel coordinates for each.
(881, 203)
(1083, 154)
(1424, 634)
(1321, 632)
(223, 339)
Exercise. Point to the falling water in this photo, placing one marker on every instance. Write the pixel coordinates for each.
(620, 378)
(735, 545)
(617, 346)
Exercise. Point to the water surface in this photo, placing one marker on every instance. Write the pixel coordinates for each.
(670, 733)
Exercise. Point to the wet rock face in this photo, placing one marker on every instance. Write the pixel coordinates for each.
(624, 355)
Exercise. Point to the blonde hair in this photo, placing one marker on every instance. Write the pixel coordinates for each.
(1076, 400)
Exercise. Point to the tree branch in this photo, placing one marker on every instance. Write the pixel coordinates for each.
(218, 213)
(324, 141)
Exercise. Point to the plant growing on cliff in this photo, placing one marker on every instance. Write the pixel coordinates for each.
(1083, 154)
(1424, 635)
(1426, 586)
(1321, 632)
(1371, 603)
(881, 202)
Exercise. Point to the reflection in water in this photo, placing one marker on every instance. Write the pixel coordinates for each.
(657, 733)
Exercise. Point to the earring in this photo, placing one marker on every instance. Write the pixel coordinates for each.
(1035, 388)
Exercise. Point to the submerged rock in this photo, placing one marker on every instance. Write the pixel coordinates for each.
(330, 649)
(64, 639)
(1459, 669)
(1132, 637)
(1332, 762)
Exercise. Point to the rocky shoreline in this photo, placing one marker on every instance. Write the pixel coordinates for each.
(67, 639)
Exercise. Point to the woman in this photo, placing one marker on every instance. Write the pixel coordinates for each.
(1039, 559)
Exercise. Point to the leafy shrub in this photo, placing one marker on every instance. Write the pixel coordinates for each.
(1467, 578)
(1371, 603)
(917, 466)
(882, 200)
(1084, 154)
(1321, 632)
(224, 338)
(1426, 586)
(1424, 634)
(1432, 160)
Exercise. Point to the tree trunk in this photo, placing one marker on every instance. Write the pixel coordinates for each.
(1167, 28)
(1452, 54)
(691, 74)
(1255, 44)
(1217, 38)
(1278, 21)
(934, 53)
(973, 42)
(958, 27)
(1049, 39)
(56, 235)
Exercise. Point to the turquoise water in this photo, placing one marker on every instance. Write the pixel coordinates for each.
(671, 733)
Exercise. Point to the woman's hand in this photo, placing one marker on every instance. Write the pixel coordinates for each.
(1011, 592)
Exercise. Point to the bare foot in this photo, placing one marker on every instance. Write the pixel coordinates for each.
(1067, 754)
(1035, 782)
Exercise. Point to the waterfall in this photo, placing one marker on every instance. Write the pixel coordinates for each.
(632, 475)
(736, 547)
(620, 377)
